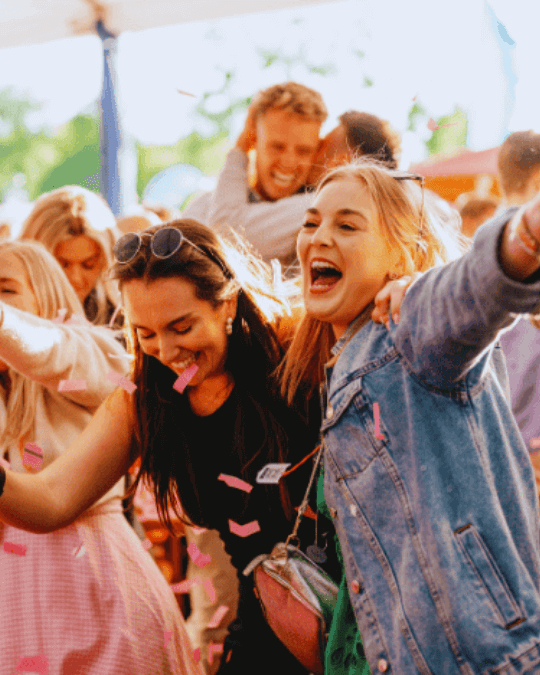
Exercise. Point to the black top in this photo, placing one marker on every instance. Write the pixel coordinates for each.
(210, 439)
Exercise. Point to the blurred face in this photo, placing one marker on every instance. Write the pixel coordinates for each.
(343, 253)
(176, 327)
(83, 261)
(285, 145)
(333, 151)
(15, 288)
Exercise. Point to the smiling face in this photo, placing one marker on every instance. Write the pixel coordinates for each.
(343, 253)
(82, 261)
(286, 144)
(15, 288)
(176, 327)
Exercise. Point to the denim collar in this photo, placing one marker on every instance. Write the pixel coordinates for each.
(355, 325)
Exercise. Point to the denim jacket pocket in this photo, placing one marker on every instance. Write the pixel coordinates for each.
(489, 575)
(352, 444)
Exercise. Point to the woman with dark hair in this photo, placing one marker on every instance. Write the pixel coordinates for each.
(202, 319)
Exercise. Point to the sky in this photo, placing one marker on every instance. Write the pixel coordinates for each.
(444, 54)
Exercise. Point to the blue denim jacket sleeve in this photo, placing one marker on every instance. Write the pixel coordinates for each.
(452, 315)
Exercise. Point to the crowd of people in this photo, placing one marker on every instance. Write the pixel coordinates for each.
(317, 296)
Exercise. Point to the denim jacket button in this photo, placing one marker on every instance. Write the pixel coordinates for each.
(383, 665)
(355, 586)
(329, 412)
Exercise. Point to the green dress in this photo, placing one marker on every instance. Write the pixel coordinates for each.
(344, 651)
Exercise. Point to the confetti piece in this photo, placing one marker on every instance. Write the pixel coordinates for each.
(185, 378)
(217, 617)
(228, 657)
(353, 510)
(309, 513)
(79, 551)
(213, 649)
(185, 586)
(432, 125)
(34, 664)
(200, 559)
(197, 655)
(17, 549)
(244, 530)
(129, 357)
(210, 590)
(186, 93)
(535, 443)
(168, 634)
(72, 385)
(377, 422)
(121, 381)
(235, 482)
(147, 544)
(5, 463)
(33, 456)
(271, 473)
(415, 97)
(61, 316)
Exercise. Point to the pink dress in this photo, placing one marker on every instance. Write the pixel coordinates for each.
(88, 600)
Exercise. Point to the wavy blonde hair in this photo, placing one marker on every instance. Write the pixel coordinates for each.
(53, 292)
(424, 234)
(73, 211)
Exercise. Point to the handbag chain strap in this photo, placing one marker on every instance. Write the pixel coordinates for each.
(304, 504)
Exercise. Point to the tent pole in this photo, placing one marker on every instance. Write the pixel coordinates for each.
(111, 140)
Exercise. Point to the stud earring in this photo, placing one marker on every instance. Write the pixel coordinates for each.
(393, 276)
(228, 325)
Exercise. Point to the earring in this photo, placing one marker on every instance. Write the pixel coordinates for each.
(393, 276)
(228, 325)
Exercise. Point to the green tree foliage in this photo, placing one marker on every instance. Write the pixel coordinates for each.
(451, 135)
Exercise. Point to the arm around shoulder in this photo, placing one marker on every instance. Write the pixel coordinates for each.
(59, 494)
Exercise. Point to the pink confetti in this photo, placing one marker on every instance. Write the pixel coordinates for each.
(185, 93)
(147, 544)
(113, 317)
(185, 378)
(61, 316)
(377, 422)
(535, 443)
(72, 385)
(217, 617)
(415, 97)
(168, 634)
(5, 463)
(214, 649)
(210, 590)
(121, 381)
(198, 530)
(34, 664)
(79, 551)
(235, 482)
(197, 655)
(432, 125)
(33, 456)
(200, 559)
(185, 586)
(244, 530)
(17, 549)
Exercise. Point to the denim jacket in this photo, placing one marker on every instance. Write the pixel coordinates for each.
(437, 510)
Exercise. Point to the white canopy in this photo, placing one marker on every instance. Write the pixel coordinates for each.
(25, 22)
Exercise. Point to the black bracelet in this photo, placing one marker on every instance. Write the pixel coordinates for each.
(2, 479)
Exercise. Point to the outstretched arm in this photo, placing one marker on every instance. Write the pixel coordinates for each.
(56, 496)
(452, 314)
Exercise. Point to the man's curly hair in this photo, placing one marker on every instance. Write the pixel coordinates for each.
(291, 97)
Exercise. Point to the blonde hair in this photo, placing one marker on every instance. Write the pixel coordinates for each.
(291, 97)
(53, 292)
(74, 211)
(410, 223)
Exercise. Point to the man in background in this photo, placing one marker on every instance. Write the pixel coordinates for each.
(282, 128)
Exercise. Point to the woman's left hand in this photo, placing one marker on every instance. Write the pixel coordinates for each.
(389, 299)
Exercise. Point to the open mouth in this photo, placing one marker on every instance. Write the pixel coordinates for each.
(180, 366)
(282, 179)
(324, 275)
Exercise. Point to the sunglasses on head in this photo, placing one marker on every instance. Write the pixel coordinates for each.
(163, 244)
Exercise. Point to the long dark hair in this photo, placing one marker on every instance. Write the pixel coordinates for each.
(253, 354)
